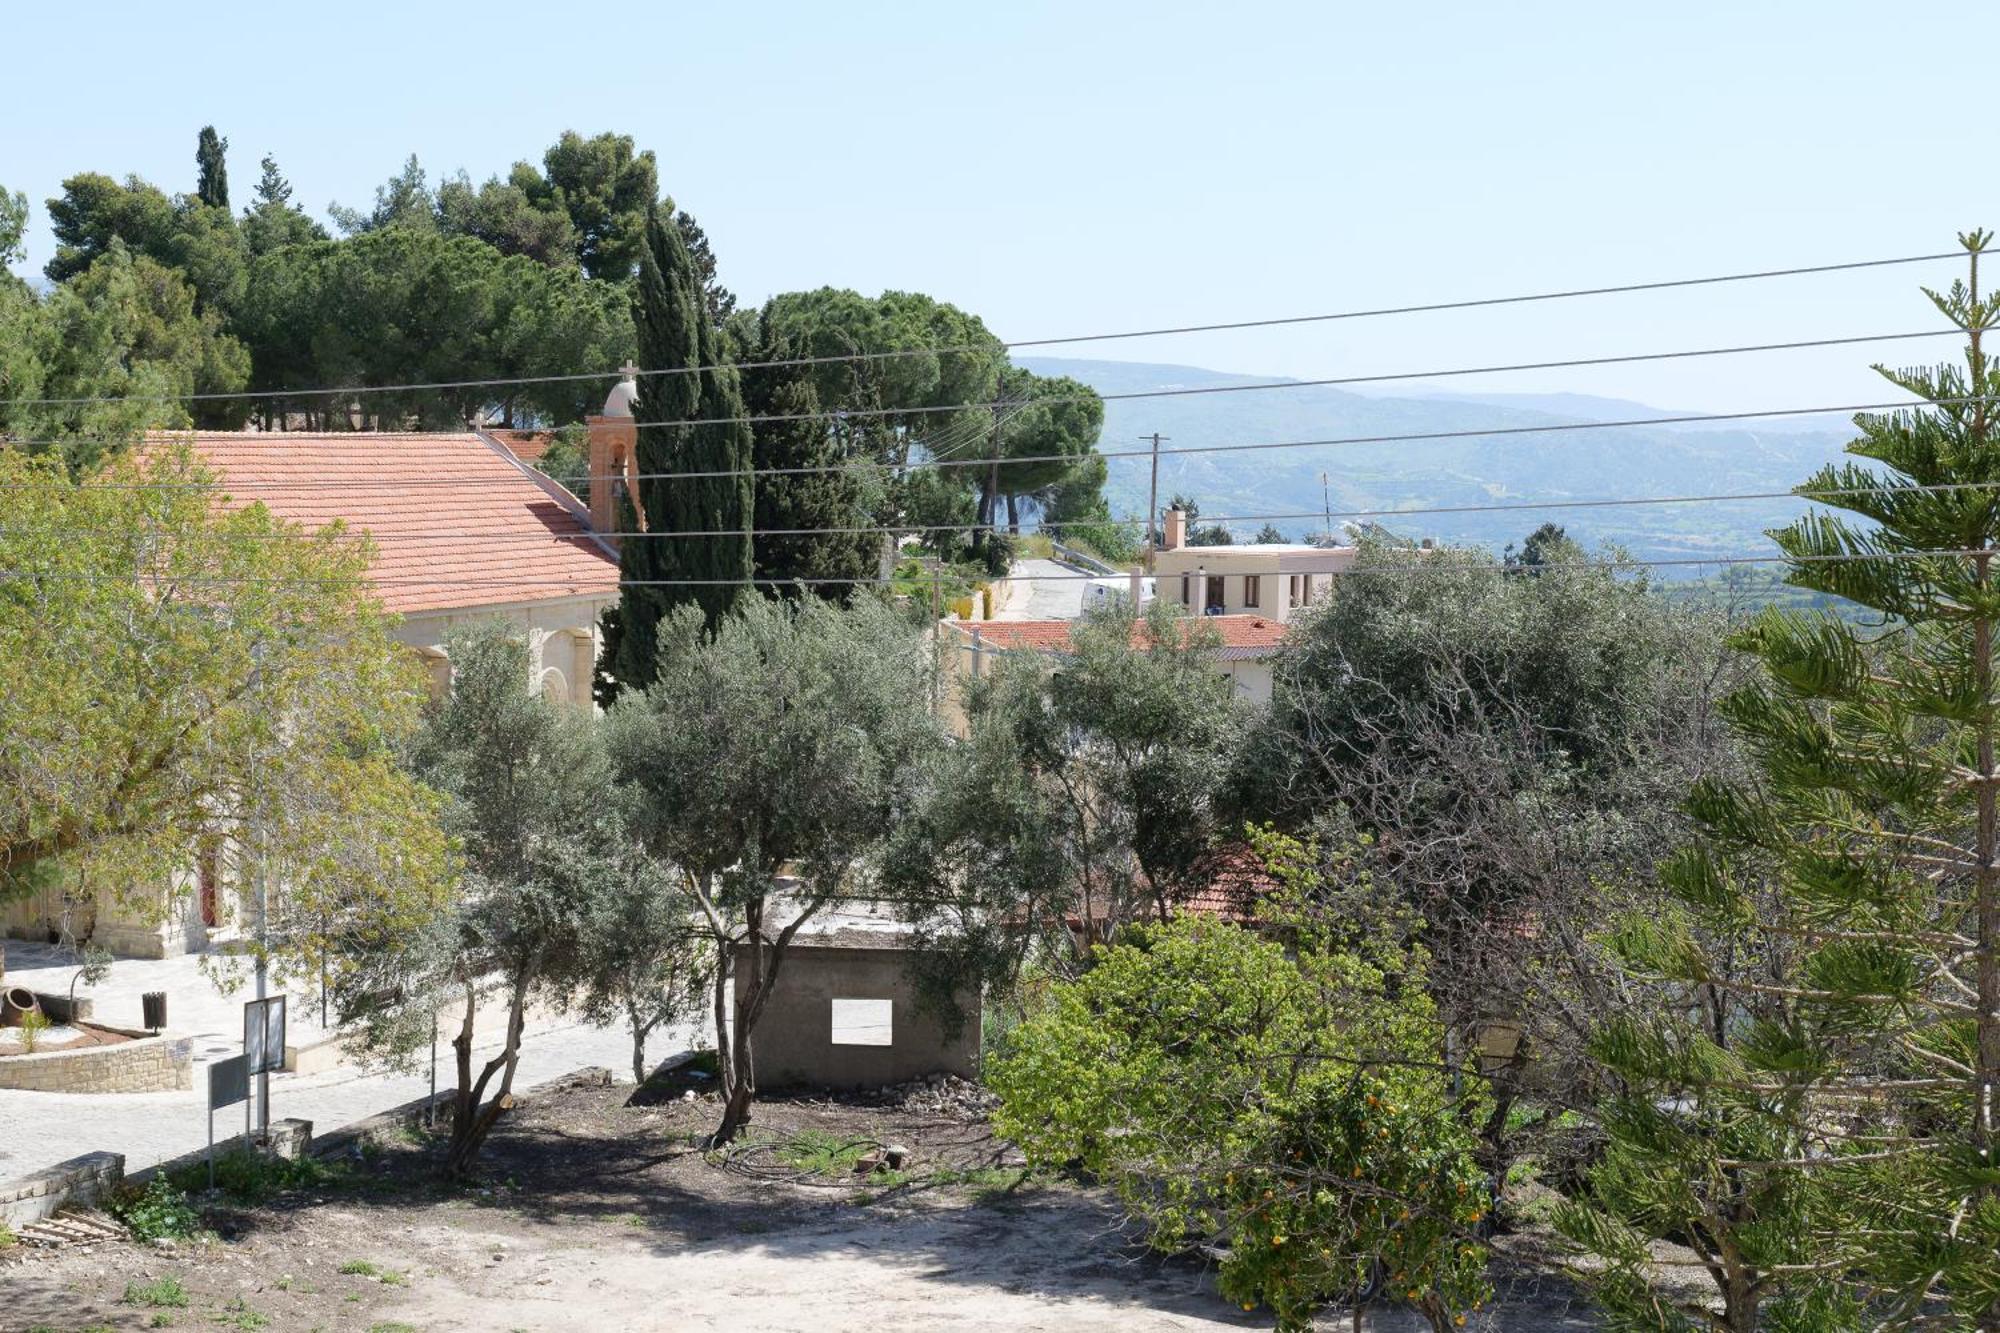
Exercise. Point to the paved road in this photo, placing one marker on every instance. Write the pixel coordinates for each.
(1043, 590)
(39, 1129)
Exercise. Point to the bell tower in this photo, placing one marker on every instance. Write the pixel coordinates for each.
(614, 446)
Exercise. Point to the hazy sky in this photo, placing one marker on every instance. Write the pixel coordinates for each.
(1065, 168)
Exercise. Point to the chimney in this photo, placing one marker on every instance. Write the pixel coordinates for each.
(614, 442)
(1176, 529)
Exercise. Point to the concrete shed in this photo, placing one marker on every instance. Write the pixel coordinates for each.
(843, 1014)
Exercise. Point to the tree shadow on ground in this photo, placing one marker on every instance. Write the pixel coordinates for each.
(579, 1166)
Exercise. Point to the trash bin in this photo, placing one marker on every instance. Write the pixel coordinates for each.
(154, 1002)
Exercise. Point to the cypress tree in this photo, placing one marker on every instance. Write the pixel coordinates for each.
(790, 504)
(1814, 1099)
(674, 332)
(212, 178)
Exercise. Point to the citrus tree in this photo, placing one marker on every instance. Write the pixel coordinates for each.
(1275, 1101)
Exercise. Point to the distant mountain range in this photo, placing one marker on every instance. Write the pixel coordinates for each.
(1467, 469)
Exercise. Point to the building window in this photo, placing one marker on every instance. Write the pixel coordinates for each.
(583, 652)
(1213, 600)
(1187, 596)
(1292, 590)
(1305, 590)
(1253, 589)
(863, 1023)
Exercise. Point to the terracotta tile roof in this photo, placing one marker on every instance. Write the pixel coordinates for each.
(500, 537)
(1242, 636)
(1233, 881)
(526, 445)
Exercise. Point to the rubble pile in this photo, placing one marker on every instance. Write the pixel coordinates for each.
(936, 1094)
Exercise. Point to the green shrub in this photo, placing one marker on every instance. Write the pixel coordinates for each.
(166, 1293)
(1358, 1187)
(1283, 1109)
(1112, 542)
(239, 1315)
(251, 1177)
(158, 1211)
(33, 1024)
(822, 1153)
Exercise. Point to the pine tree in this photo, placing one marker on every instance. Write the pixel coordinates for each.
(272, 187)
(674, 330)
(212, 182)
(1813, 1095)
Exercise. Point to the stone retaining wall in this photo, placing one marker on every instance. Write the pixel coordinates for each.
(146, 1064)
(290, 1139)
(80, 1180)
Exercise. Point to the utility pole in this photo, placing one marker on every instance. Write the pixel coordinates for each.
(1326, 498)
(1153, 500)
(262, 869)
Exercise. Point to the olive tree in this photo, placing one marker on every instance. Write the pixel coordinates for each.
(773, 752)
(527, 795)
(1516, 743)
(1083, 798)
(646, 959)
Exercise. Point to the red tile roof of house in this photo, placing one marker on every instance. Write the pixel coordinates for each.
(1242, 636)
(457, 522)
(1234, 881)
(526, 445)
(1231, 882)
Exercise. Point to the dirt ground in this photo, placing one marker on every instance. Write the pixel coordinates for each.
(597, 1217)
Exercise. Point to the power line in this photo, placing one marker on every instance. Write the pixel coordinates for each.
(847, 415)
(912, 529)
(1571, 363)
(1482, 302)
(530, 581)
(963, 348)
(1261, 386)
(514, 479)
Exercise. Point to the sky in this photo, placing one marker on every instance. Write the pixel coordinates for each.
(1077, 168)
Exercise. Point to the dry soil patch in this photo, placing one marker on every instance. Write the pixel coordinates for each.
(596, 1216)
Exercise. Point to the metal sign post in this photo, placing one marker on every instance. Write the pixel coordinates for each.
(264, 1049)
(228, 1084)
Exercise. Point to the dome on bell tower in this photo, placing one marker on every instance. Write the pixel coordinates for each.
(618, 403)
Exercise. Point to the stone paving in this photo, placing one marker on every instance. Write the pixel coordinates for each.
(39, 1129)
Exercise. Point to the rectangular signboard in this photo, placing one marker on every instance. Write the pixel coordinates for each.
(264, 1034)
(228, 1082)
